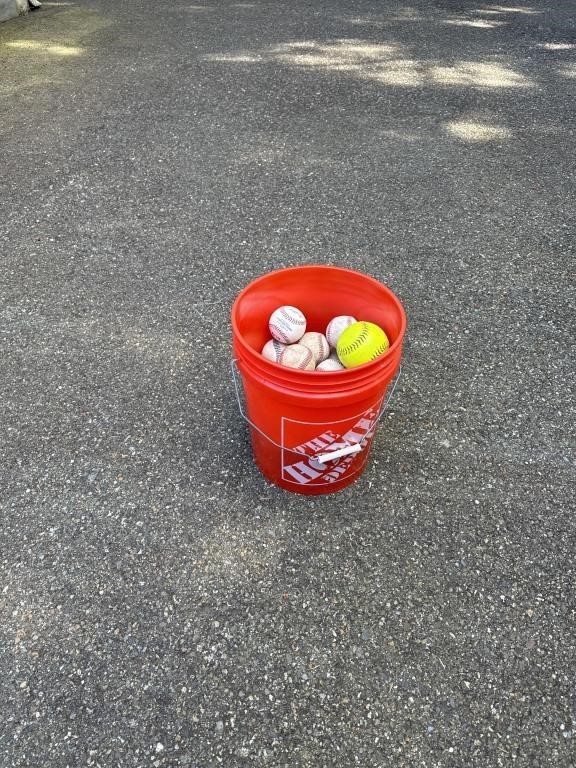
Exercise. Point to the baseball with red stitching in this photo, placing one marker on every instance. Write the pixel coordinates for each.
(330, 364)
(297, 356)
(317, 344)
(287, 324)
(272, 350)
(336, 326)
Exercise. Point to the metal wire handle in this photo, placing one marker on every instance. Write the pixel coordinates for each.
(321, 457)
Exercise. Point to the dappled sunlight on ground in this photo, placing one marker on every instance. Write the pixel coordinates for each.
(475, 23)
(487, 17)
(342, 55)
(479, 75)
(499, 9)
(404, 15)
(49, 54)
(477, 132)
(238, 58)
(557, 46)
(54, 50)
(194, 8)
(569, 70)
(361, 22)
(399, 72)
(74, 26)
(382, 62)
(404, 136)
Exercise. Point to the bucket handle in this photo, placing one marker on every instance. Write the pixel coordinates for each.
(321, 457)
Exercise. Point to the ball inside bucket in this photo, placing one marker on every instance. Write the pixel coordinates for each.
(312, 431)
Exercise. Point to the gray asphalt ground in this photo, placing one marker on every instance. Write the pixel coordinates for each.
(160, 603)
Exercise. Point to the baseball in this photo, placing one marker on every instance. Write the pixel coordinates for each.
(317, 344)
(287, 324)
(272, 350)
(360, 343)
(330, 364)
(297, 356)
(336, 326)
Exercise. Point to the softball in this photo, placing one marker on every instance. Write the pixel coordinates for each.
(360, 343)
(287, 324)
(317, 344)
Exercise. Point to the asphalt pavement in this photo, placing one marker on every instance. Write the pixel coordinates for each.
(161, 604)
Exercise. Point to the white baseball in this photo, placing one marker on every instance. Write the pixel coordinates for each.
(287, 324)
(331, 364)
(336, 326)
(272, 350)
(317, 344)
(297, 356)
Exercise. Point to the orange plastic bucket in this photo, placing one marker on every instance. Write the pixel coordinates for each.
(299, 417)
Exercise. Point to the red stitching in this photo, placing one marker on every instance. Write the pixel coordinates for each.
(318, 345)
(280, 332)
(330, 330)
(292, 318)
(306, 360)
(303, 364)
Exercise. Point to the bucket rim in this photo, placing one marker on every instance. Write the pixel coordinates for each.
(339, 375)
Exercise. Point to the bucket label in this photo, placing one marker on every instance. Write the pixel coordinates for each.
(311, 439)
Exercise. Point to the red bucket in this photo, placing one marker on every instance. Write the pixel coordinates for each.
(297, 418)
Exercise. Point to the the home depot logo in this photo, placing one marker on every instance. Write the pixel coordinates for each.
(312, 439)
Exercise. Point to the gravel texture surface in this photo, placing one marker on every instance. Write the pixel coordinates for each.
(160, 603)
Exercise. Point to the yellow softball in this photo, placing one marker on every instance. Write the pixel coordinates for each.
(360, 343)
